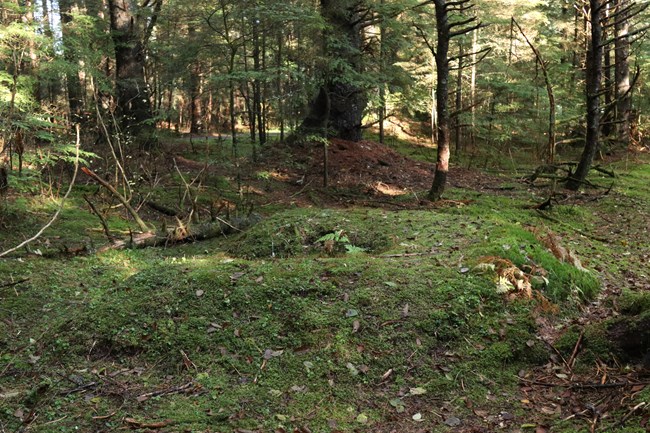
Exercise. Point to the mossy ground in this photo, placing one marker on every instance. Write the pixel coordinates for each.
(276, 330)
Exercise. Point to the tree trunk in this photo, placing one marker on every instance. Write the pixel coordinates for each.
(607, 122)
(257, 85)
(73, 84)
(382, 86)
(459, 97)
(442, 96)
(593, 76)
(622, 72)
(472, 91)
(195, 89)
(132, 90)
(347, 101)
(279, 86)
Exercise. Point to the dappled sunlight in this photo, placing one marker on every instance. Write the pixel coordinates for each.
(390, 190)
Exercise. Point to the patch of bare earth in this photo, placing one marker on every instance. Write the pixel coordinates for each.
(364, 173)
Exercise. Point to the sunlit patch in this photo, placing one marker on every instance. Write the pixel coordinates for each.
(277, 175)
(248, 189)
(388, 189)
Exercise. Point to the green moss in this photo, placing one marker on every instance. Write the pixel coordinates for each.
(634, 303)
(297, 232)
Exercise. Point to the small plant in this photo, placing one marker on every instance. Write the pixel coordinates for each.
(335, 240)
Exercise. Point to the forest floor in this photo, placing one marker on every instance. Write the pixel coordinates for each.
(359, 306)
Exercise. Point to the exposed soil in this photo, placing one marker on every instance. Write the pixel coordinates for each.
(364, 173)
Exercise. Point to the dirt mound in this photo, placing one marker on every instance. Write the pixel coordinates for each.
(374, 166)
(376, 169)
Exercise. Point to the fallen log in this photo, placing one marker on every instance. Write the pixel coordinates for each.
(181, 235)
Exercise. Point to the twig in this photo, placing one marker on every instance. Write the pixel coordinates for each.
(582, 232)
(630, 413)
(390, 256)
(60, 208)
(585, 385)
(79, 388)
(15, 283)
(301, 189)
(564, 361)
(107, 231)
(572, 358)
(221, 220)
(175, 390)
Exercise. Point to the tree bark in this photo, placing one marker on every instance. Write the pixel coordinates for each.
(73, 84)
(132, 89)
(196, 125)
(442, 96)
(347, 100)
(607, 122)
(622, 72)
(593, 76)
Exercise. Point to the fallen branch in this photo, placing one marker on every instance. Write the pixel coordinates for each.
(58, 211)
(162, 209)
(609, 173)
(581, 232)
(175, 390)
(392, 256)
(572, 359)
(118, 196)
(189, 234)
(102, 220)
(585, 385)
(14, 283)
(133, 423)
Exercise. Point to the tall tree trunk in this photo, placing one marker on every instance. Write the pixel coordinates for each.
(257, 85)
(382, 86)
(442, 96)
(195, 88)
(46, 87)
(593, 76)
(472, 91)
(622, 72)
(346, 100)
(459, 97)
(132, 89)
(73, 84)
(279, 86)
(607, 122)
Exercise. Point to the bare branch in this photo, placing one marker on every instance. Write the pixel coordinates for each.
(426, 40)
(625, 36)
(466, 30)
(58, 210)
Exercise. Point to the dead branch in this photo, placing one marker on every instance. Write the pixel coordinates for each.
(579, 385)
(173, 390)
(63, 200)
(162, 209)
(186, 234)
(118, 196)
(107, 231)
(14, 283)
